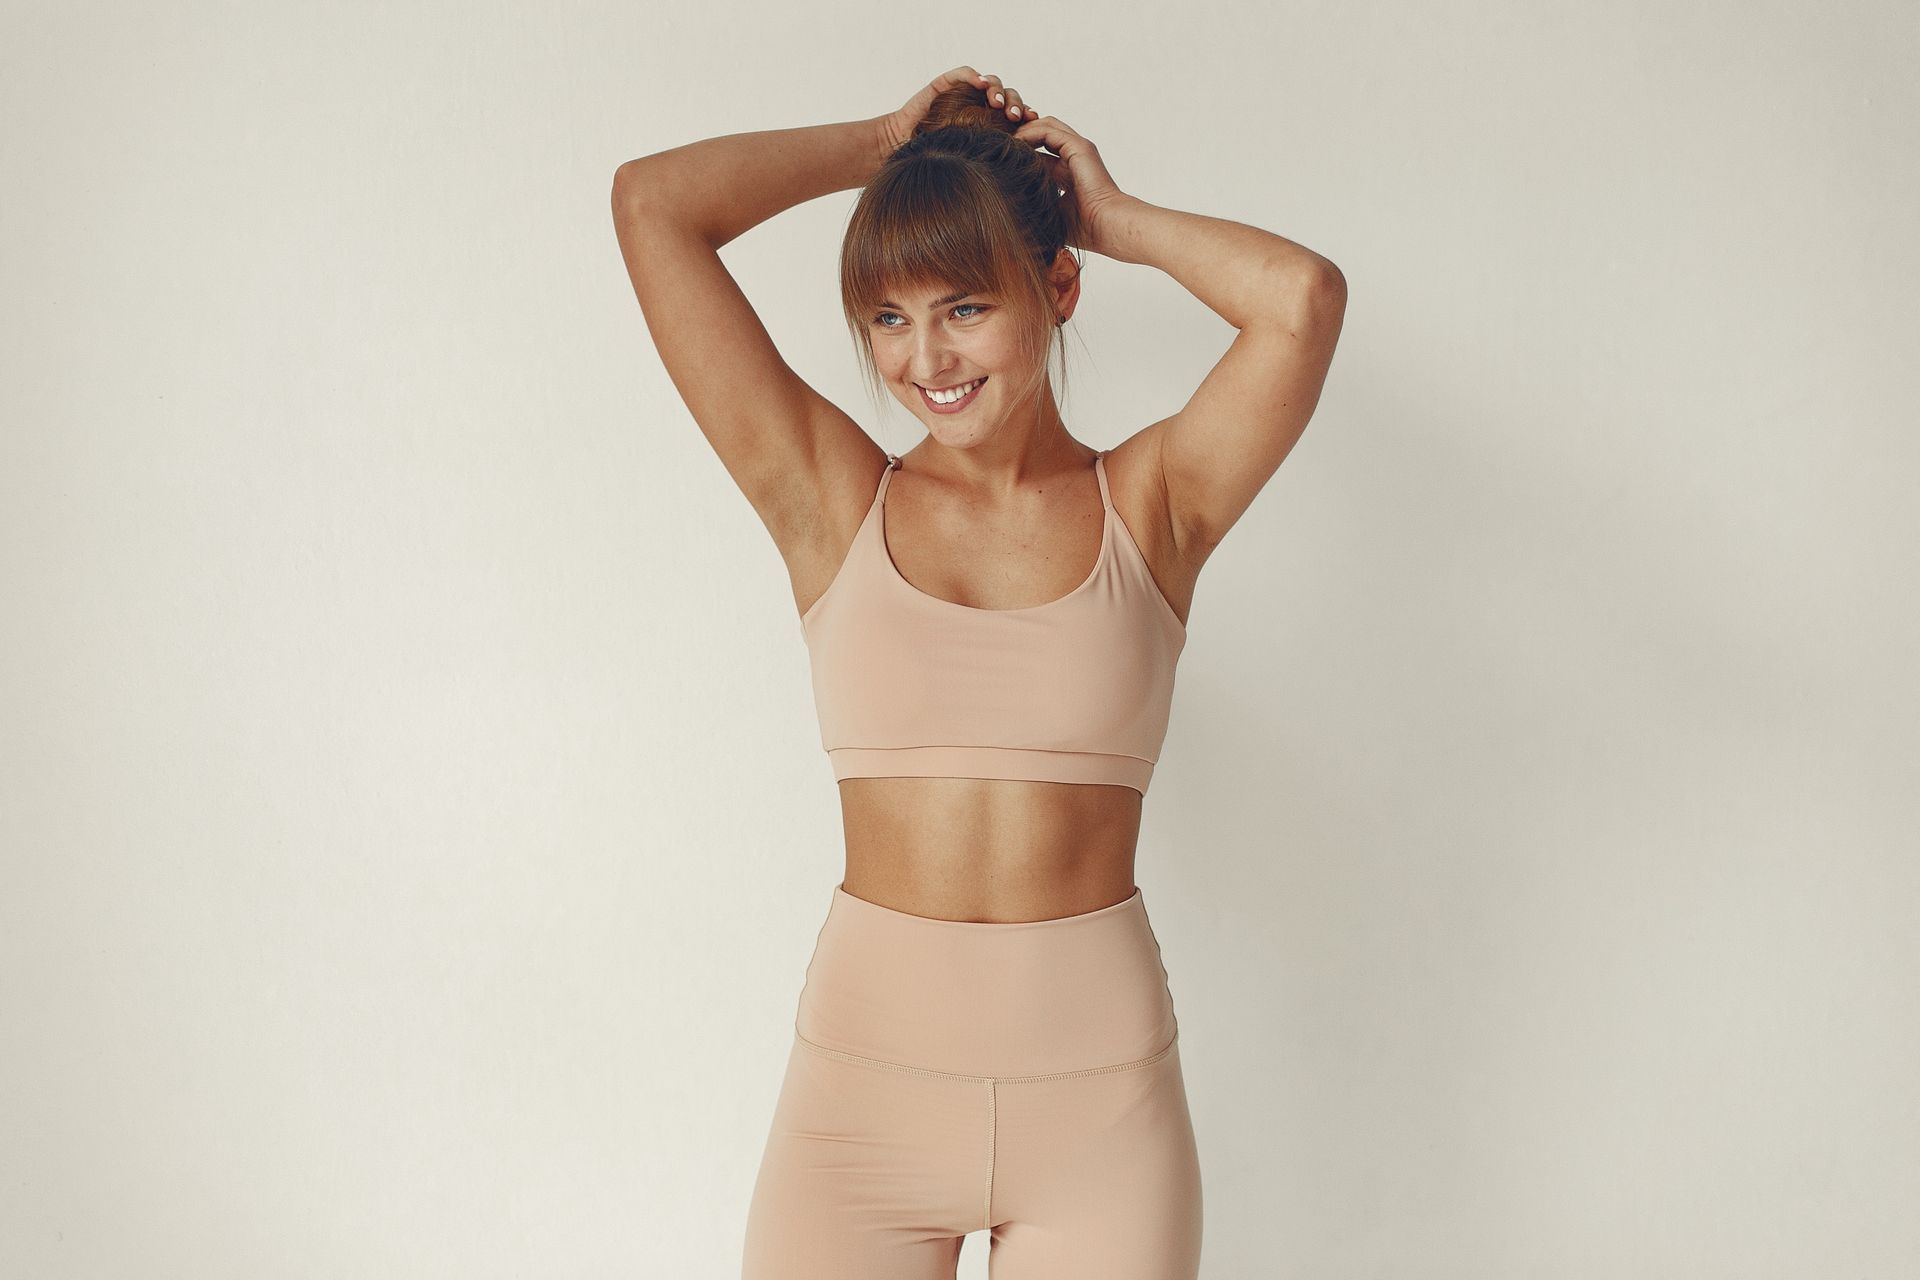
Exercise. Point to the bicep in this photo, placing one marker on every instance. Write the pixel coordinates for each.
(766, 423)
(1219, 451)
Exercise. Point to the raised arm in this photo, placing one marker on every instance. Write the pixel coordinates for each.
(1288, 303)
(781, 441)
(1213, 457)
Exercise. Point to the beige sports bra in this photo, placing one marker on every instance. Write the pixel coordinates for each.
(908, 685)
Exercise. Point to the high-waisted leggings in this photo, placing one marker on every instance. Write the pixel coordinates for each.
(952, 1076)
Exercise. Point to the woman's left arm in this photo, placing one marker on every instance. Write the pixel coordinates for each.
(1288, 302)
(1245, 274)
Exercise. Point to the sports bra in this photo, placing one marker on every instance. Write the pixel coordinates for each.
(910, 685)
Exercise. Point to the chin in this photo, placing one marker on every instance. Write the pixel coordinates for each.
(956, 431)
(955, 434)
(957, 439)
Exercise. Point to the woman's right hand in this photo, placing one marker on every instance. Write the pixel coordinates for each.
(895, 129)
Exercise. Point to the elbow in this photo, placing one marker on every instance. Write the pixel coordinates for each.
(1320, 295)
(1303, 290)
(635, 180)
(626, 180)
(1303, 297)
(1326, 287)
(622, 189)
(636, 194)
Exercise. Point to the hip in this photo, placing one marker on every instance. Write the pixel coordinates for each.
(1080, 993)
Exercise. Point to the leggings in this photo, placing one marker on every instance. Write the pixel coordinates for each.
(952, 1076)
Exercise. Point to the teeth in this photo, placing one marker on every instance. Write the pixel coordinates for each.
(948, 397)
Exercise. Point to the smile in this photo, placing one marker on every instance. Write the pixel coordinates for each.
(949, 403)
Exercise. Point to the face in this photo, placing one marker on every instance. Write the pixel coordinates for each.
(944, 340)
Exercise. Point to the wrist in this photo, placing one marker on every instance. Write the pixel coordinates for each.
(884, 141)
(1106, 225)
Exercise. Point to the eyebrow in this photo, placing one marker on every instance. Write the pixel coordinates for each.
(938, 302)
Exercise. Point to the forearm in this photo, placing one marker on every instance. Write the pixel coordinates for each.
(722, 186)
(1241, 272)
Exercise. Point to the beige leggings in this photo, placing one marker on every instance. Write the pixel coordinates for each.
(952, 1076)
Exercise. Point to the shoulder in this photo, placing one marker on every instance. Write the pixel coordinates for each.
(1136, 485)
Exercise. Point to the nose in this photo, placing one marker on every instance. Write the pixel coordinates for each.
(927, 363)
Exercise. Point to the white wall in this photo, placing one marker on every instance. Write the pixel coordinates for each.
(414, 821)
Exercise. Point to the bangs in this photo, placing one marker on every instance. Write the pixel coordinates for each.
(934, 227)
(939, 223)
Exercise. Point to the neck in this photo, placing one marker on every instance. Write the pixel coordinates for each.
(1010, 457)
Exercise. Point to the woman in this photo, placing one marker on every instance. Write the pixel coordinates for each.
(985, 1038)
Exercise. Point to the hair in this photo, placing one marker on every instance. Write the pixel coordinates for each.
(961, 203)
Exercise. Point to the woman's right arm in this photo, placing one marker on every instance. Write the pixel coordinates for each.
(720, 187)
(784, 444)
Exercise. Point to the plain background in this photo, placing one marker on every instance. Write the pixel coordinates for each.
(415, 825)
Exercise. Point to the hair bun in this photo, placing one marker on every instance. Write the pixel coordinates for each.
(965, 106)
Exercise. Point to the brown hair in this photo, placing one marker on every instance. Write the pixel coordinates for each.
(962, 203)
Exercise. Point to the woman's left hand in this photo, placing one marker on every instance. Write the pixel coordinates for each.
(1075, 165)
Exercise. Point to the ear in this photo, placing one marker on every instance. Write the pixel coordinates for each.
(1064, 275)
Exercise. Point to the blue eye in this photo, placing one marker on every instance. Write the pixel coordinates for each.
(882, 318)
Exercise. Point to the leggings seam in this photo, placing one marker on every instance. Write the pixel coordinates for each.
(986, 1217)
(978, 1079)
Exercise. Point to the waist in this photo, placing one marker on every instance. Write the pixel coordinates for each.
(1037, 997)
(988, 849)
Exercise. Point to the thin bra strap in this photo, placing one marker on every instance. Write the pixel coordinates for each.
(893, 464)
(1100, 470)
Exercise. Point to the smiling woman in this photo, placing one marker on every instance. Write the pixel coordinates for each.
(966, 211)
(985, 1039)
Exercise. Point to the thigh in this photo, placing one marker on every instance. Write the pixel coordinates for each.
(869, 1173)
(1097, 1176)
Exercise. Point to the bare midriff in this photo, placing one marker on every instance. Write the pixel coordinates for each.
(989, 850)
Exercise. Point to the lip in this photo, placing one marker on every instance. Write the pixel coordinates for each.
(956, 406)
